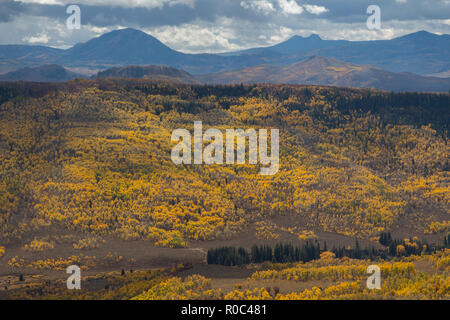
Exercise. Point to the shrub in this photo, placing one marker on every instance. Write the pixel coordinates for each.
(38, 246)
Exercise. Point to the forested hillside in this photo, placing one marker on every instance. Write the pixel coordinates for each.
(94, 156)
(149, 73)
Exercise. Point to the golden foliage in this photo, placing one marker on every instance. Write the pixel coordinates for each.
(346, 279)
(436, 227)
(193, 287)
(38, 245)
(97, 160)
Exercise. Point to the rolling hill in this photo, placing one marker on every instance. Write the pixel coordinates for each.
(45, 73)
(329, 71)
(13, 57)
(149, 72)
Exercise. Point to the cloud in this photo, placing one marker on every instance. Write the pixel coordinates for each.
(47, 2)
(262, 6)
(149, 4)
(199, 37)
(285, 7)
(290, 7)
(217, 25)
(313, 9)
(40, 38)
(9, 10)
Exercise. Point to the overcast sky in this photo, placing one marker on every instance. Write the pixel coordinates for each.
(218, 25)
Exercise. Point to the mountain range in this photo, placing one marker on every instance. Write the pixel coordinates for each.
(413, 62)
(313, 70)
(422, 52)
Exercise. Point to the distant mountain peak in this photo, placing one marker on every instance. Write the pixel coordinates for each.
(314, 36)
(422, 34)
(127, 46)
(128, 32)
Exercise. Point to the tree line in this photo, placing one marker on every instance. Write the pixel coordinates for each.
(311, 250)
(281, 253)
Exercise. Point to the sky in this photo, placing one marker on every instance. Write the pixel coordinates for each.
(195, 26)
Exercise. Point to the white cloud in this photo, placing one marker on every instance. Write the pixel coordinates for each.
(189, 3)
(290, 7)
(40, 38)
(262, 6)
(219, 34)
(115, 3)
(280, 35)
(313, 9)
(50, 2)
(199, 37)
